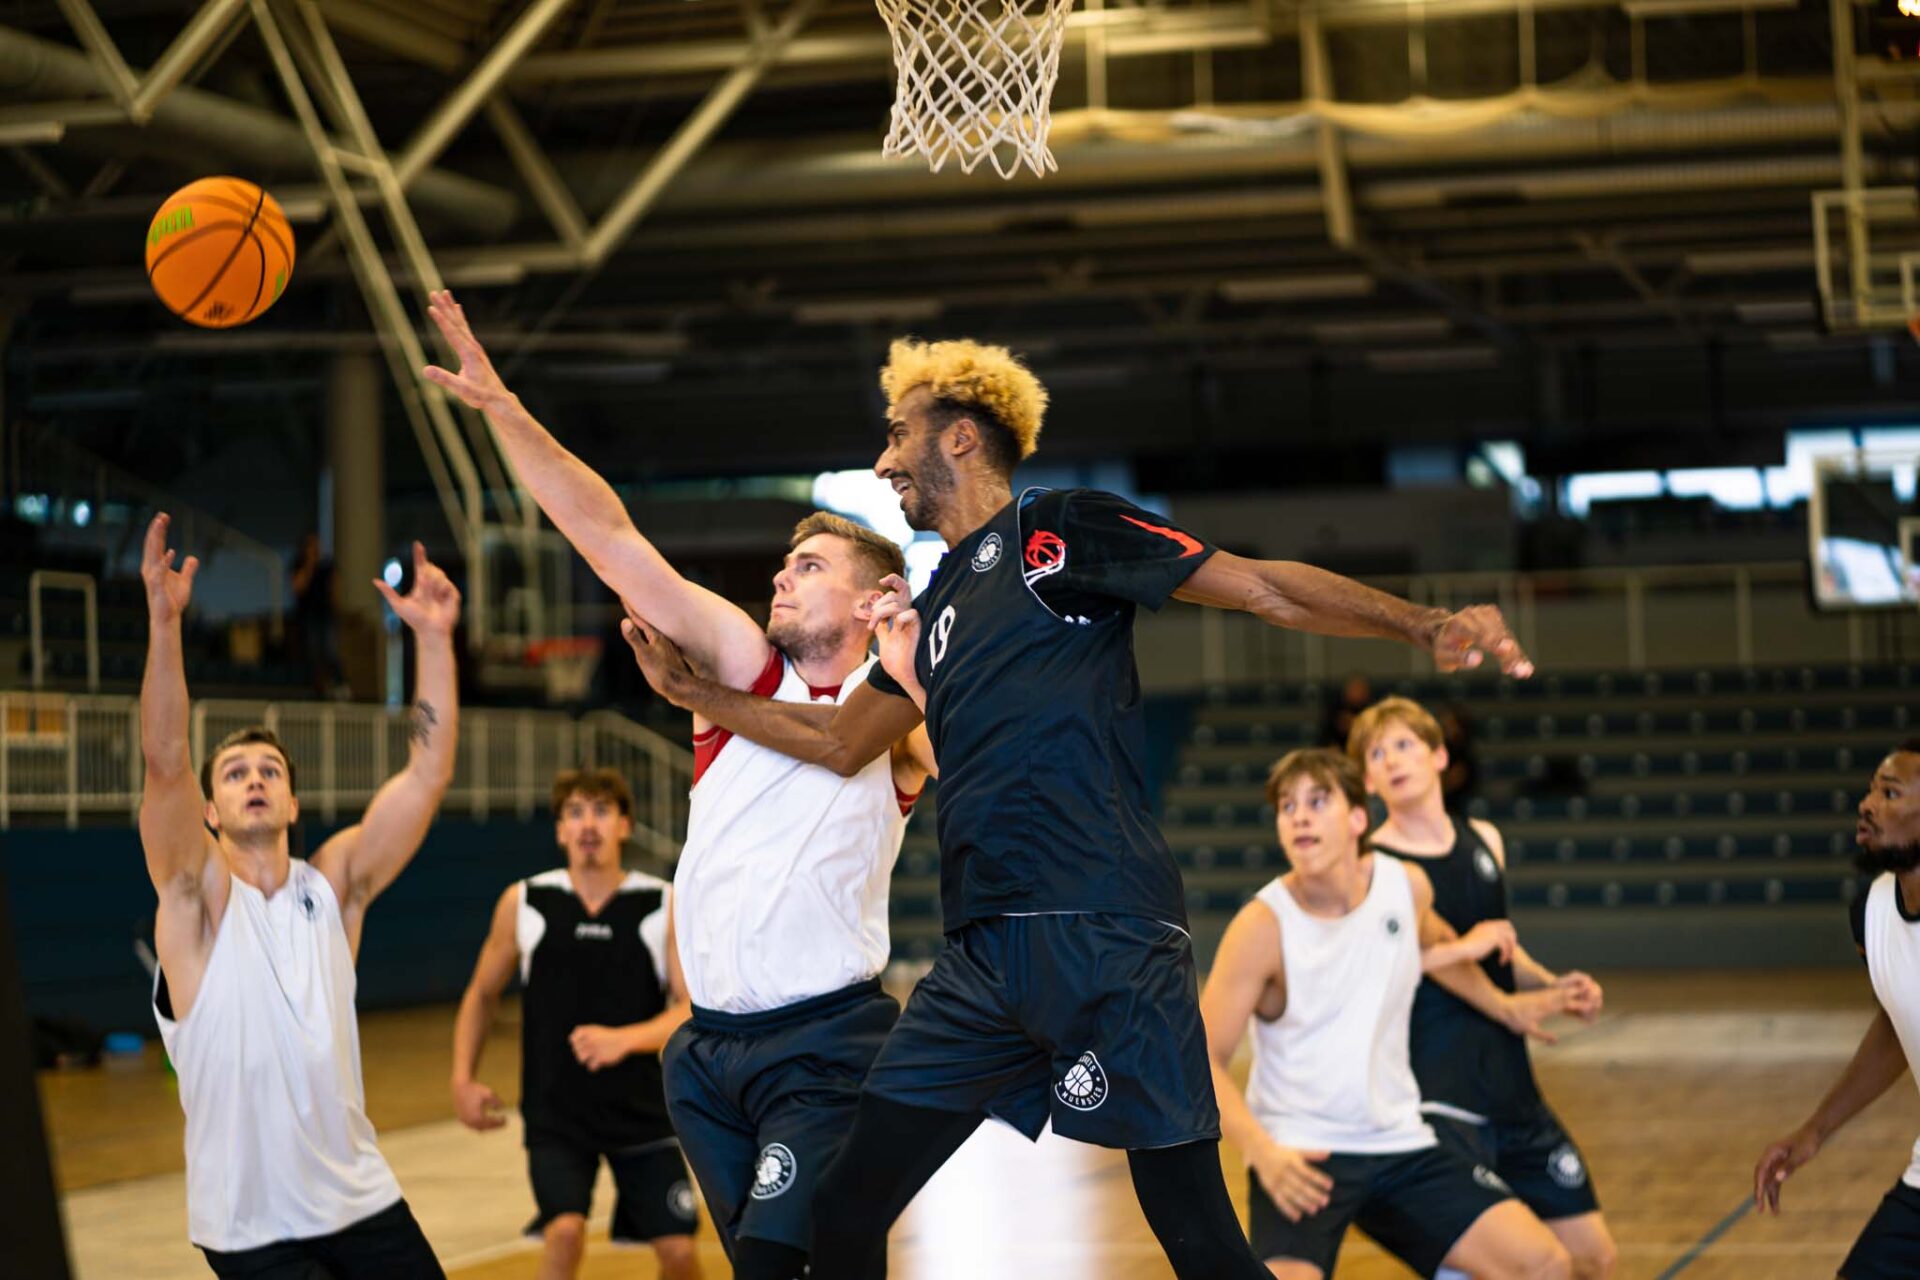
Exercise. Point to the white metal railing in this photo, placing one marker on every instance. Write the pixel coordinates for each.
(43, 580)
(1608, 618)
(74, 756)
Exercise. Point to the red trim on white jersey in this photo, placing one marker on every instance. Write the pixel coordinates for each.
(706, 746)
(907, 799)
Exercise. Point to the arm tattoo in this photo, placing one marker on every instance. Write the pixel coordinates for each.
(420, 729)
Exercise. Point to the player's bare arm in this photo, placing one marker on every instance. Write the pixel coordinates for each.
(362, 860)
(1876, 1065)
(1249, 980)
(479, 1107)
(843, 738)
(720, 637)
(598, 1047)
(185, 863)
(1300, 597)
(895, 624)
(1522, 1013)
(1528, 973)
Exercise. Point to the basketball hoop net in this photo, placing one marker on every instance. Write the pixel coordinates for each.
(975, 80)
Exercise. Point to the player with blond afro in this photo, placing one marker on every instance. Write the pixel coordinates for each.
(1066, 990)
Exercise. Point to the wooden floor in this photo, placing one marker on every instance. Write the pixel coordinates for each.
(1672, 1096)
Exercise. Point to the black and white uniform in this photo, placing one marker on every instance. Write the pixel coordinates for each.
(1476, 1076)
(282, 1171)
(1066, 988)
(607, 969)
(780, 913)
(1889, 939)
(1332, 1074)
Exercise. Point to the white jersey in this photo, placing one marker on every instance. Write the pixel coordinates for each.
(278, 1142)
(781, 891)
(1891, 940)
(1332, 1073)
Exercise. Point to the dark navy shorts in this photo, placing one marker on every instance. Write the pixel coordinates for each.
(652, 1197)
(1889, 1248)
(388, 1244)
(762, 1101)
(1532, 1154)
(1415, 1205)
(1090, 1019)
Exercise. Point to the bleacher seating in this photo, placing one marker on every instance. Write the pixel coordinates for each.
(1720, 790)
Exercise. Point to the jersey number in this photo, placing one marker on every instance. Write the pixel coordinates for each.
(937, 638)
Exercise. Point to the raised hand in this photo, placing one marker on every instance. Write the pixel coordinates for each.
(1778, 1163)
(1298, 1189)
(168, 589)
(478, 1107)
(896, 624)
(1468, 638)
(477, 385)
(432, 607)
(661, 661)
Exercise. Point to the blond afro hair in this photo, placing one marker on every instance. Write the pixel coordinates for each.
(989, 379)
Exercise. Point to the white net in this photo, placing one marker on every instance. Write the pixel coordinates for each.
(975, 80)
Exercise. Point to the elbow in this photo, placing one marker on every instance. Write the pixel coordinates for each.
(842, 760)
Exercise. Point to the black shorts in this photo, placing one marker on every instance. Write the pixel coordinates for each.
(653, 1195)
(388, 1244)
(1534, 1155)
(1415, 1205)
(762, 1101)
(1889, 1247)
(1092, 1019)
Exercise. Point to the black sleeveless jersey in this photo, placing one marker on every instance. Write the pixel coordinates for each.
(1034, 709)
(607, 970)
(1464, 1060)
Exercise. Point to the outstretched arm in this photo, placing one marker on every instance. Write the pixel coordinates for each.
(363, 860)
(843, 738)
(1877, 1063)
(1285, 593)
(173, 828)
(479, 1107)
(719, 636)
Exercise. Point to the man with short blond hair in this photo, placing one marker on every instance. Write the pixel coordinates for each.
(1476, 1077)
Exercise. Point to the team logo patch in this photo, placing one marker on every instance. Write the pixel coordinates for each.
(308, 905)
(1491, 1180)
(1046, 554)
(1084, 1087)
(987, 554)
(1393, 926)
(774, 1171)
(1483, 863)
(1566, 1167)
(680, 1201)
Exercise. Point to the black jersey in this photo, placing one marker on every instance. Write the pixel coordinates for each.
(1466, 1062)
(1033, 706)
(607, 970)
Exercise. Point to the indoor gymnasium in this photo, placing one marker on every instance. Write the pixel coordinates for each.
(959, 639)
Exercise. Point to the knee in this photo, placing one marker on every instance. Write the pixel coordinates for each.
(1596, 1258)
(1548, 1260)
(567, 1232)
(677, 1258)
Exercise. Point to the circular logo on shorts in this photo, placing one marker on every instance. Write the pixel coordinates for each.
(1084, 1087)
(773, 1172)
(1491, 1180)
(1566, 1167)
(1484, 864)
(680, 1201)
(987, 554)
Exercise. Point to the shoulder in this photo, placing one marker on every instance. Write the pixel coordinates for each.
(1251, 939)
(1857, 910)
(1491, 837)
(1416, 877)
(642, 882)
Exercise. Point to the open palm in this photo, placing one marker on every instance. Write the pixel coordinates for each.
(168, 589)
(477, 384)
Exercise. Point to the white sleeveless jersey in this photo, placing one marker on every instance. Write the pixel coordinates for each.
(1333, 1073)
(1892, 944)
(278, 1142)
(781, 891)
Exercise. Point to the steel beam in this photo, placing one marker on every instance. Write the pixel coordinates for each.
(1329, 154)
(117, 77)
(549, 191)
(205, 29)
(453, 114)
(384, 30)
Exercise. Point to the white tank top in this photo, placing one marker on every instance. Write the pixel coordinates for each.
(278, 1142)
(1332, 1073)
(781, 891)
(1892, 944)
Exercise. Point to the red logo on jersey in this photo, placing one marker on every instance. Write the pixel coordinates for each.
(1189, 545)
(1046, 552)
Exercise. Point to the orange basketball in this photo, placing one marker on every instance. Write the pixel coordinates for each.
(219, 252)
